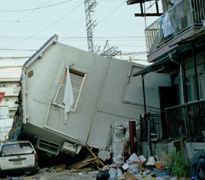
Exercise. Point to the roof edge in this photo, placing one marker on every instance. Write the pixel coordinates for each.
(51, 40)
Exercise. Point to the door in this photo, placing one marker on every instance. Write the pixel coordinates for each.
(168, 97)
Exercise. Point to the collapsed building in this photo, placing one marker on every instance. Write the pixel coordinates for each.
(70, 98)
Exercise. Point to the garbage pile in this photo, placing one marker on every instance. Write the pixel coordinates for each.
(135, 168)
(123, 140)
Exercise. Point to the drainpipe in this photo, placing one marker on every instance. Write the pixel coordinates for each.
(195, 72)
(184, 79)
(181, 76)
(144, 98)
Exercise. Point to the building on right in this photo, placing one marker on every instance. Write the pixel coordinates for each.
(175, 45)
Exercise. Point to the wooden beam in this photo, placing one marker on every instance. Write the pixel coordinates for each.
(95, 156)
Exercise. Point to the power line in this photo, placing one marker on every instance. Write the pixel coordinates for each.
(23, 17)
(43, 7)
(17, 50)
(46, 27)
(77, 37)
(111, 13)
(33, 9)
(11, 58)
(99, 21)
(98, 37)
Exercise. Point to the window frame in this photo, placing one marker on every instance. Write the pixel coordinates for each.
(192, 91)
(74, 71)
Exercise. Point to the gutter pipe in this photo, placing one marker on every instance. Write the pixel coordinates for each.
(181, 76)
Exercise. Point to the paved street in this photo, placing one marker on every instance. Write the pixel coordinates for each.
(54, 175)
(65, 175)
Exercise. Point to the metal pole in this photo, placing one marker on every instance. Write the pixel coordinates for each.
(143, 87)
(132, 132)
(195, 72)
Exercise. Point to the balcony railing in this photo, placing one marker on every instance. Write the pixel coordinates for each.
(179, 18)
(187, 120)
(155, 126)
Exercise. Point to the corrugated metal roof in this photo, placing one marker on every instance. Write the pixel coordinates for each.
(155, 66)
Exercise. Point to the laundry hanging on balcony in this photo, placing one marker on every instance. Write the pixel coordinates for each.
(169, 25)
(175, 2)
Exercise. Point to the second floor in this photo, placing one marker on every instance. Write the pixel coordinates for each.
(182, 20)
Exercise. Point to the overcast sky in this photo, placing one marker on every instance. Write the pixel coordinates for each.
(25, 25)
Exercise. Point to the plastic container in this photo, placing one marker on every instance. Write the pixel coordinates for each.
(133, 168)
(161, 172)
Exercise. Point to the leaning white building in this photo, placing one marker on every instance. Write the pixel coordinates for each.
(69, 98)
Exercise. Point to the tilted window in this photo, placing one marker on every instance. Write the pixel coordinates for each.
(77, 79)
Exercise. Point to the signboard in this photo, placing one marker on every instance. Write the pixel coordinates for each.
(1, 96)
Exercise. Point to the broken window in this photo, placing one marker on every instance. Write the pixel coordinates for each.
(77, 80)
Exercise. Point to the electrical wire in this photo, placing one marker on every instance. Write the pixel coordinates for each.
(98, 22)
(45, 28)
(33, 9)
(97, 37)
(24, 16)
(76, 36)
(17, 50)
(111, 13)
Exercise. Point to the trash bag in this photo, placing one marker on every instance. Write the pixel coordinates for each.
(103, 175)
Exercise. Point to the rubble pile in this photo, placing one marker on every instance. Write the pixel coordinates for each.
(126, 164)
(135, 168)
(118, 160)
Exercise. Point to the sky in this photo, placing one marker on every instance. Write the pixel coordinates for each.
(25, 25)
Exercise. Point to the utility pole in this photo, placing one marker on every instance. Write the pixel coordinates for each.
(90, 24)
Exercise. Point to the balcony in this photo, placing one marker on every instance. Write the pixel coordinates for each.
(181, 17)
(187, 120)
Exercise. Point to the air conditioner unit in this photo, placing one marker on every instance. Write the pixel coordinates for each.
(71, 148)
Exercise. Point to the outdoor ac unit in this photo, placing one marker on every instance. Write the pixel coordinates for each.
(71, 148)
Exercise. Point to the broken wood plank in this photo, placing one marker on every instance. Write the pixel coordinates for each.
(87, 161)
(95, 156)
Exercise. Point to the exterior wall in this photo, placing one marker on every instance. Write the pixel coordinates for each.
(5, 122)
(102, 100)
(190, 77)
(11, 89)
